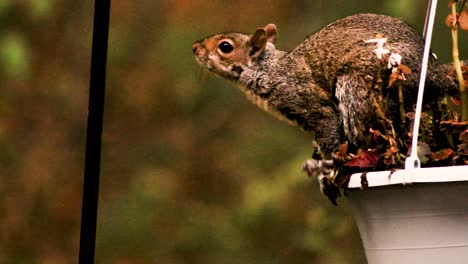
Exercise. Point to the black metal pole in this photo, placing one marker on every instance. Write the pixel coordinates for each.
(92, 165)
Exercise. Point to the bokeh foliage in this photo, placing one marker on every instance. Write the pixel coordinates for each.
(192, 172)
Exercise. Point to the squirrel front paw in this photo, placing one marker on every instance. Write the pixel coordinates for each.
(325, 173)
(315, 167)
(328, 188)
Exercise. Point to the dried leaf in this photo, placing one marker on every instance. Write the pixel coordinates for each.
(465, 74)
(393, 78)
(455, 101)
(462, 148)
(364, 182)
(388, 158)
(393, 149)
(404, 69)
(343, 149)
(464, 136)
(411, 115)
(424, 151)
(464, 68)
(364, 159)
(338, 155)
(454, 123)
(442, 154)
(388, 155)
(449, 21)
(375, 134)
(463, 20)
(378, 35)
(393, 170)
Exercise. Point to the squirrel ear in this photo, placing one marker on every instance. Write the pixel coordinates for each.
(257, 43)
(271, 32)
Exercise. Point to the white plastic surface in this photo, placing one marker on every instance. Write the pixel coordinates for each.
(424, 222)
(436, 174)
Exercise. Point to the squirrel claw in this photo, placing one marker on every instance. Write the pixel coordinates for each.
(329, 189)
(313, 167)
(323, 170)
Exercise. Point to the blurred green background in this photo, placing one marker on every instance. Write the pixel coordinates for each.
(191, 171)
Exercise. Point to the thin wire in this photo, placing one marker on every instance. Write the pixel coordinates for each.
(92, 167)
(413, 161)
(426, 22)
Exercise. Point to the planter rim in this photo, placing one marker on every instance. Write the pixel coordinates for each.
(421, 175)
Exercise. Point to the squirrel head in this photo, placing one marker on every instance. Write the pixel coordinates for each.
(229, 54)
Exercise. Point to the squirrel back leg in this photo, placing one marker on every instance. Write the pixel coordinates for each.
(355, 109)
(355, 105)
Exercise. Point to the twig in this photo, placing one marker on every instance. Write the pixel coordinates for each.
(401, 101)
(456, 62)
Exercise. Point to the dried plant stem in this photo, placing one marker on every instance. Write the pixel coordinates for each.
(457, 64)
(378, 108)
(401, 101)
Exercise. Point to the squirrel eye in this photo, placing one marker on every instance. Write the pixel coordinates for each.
(225, 47)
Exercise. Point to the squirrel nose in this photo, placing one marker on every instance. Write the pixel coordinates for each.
(195, 47)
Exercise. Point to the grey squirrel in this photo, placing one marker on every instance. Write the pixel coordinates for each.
(325, 85)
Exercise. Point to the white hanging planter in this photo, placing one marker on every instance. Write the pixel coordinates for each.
(422, 222)
(416, 215)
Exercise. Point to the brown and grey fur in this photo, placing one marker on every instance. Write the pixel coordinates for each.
(324, 84)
